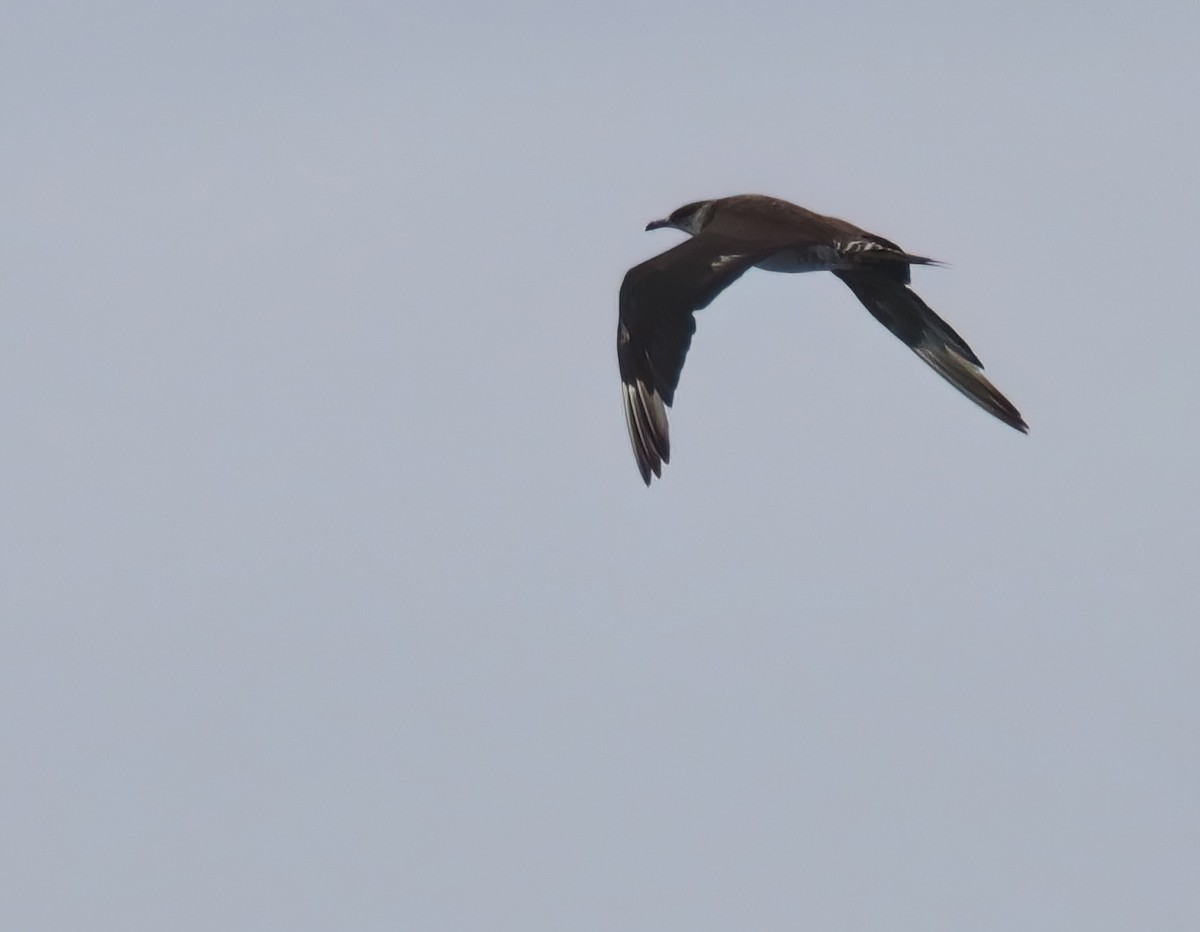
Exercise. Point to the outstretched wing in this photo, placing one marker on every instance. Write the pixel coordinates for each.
(655, 328)
(903, 312)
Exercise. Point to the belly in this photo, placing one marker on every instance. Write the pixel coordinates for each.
(809, 259)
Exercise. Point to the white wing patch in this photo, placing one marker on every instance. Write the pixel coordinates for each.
(646, 418)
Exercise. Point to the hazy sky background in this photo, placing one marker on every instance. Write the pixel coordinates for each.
(331, 597)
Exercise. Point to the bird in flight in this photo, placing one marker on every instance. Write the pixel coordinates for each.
(732, 234)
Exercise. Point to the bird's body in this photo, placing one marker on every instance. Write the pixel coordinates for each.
(733, 234)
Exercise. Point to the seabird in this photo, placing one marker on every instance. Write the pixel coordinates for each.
(732, 234)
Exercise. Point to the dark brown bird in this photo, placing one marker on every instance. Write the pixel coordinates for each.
(730, 235)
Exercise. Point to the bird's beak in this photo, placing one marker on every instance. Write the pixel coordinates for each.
(657, 225)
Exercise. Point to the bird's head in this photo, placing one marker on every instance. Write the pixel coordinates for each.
(690, 218)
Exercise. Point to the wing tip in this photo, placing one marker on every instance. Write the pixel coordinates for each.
(969, 379)
(646, 419)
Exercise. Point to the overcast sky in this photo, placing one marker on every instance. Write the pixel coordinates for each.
(330, 595)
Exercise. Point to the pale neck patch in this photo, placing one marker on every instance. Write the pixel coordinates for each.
(696, 221)
(699, 220)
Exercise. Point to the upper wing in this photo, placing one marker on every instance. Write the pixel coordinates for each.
(902, 311)
(655, 328)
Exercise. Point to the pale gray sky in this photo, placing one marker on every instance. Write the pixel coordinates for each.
(332, 599)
